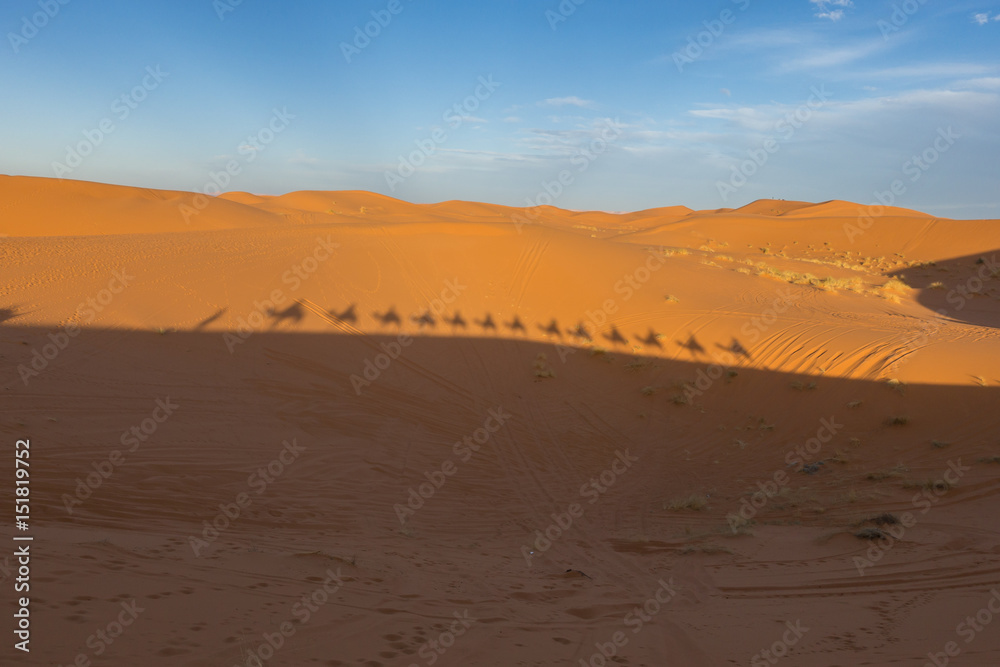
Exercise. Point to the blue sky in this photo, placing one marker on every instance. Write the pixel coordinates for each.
(633, 104)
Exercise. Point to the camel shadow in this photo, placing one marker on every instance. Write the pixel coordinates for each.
(615, 337)
(551, 330)
(456, 322)
(388, 317)
(516, 325)
(424, 320)
(487, 324)
(294, 313)
(8, 314)
(580, 333)
(653, 339)
(692, 345)
(211, 318)
(349, 315)
(736, 348)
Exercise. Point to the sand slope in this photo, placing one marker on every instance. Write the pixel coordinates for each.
(679, 359)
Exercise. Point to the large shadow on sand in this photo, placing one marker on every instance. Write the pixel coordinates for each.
(963, 289)
(379, 415)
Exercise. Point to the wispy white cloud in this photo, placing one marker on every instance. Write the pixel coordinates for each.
(984, 18)
(567, 101)
(769, 38)
(301, 158)
(491, 155)
(982, 83)
(750, 123)
(701, 145)
(791, 51)
(825, 8)
(930, 71)
(760, 118)
(954, 102)
(835, 57)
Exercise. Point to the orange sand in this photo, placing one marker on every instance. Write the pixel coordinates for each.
(268, 320)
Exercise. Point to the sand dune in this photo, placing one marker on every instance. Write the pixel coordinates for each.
(48, 207)
(749, 389)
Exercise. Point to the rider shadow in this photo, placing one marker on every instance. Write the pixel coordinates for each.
(653, 339)
(580, 333)
(516, 325)
(487, 324)
(424, 320)
(615, 337)
(692, 345)
(388, 317)
(294, 313)
(350, 315)
(736, 348)
(551, 330)
(456, 322)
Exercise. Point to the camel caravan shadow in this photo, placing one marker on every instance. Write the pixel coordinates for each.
(433, 320)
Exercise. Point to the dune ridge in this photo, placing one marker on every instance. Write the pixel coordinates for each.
(533, 419)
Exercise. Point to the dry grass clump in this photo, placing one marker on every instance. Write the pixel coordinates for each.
(833, 262)
(892, 289)
(852, 284)
(695, 503)
(602, 352)
(839, 457)
(542, 369)
(896, 285)
(739, 525)
(669, 252)
(828, 283)
(929, 484)
(898, 420)
(710, 549)
(869, 533)
(884, 519)
(888, 473)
